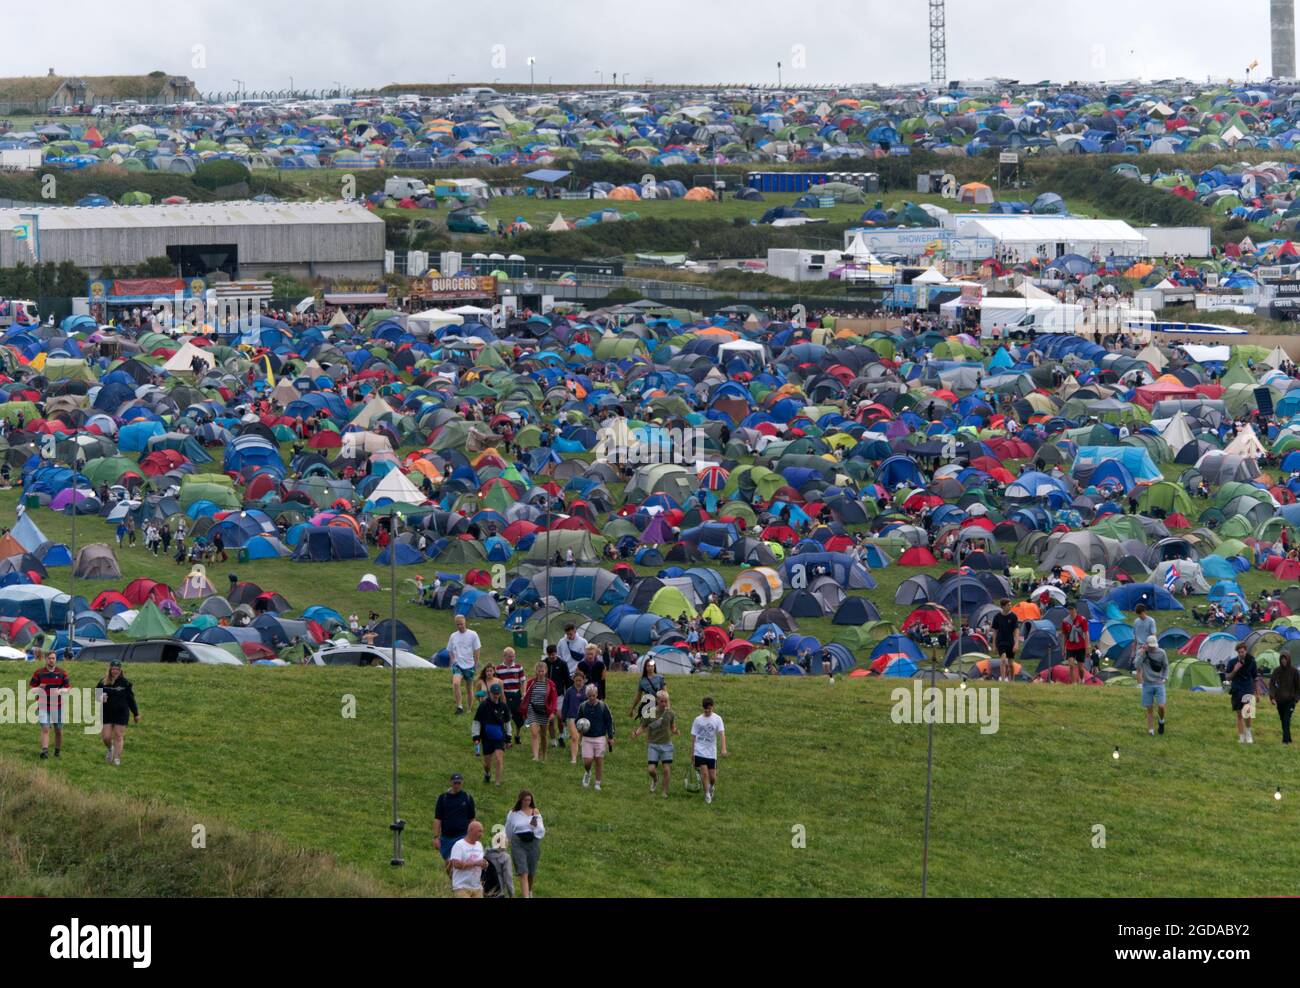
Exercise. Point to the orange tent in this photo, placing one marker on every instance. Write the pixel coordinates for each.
(1027, 611)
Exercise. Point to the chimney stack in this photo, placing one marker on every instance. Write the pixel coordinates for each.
(1282, 21)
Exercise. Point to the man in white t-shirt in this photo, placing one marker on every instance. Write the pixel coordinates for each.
(463, 648)
(467, 864)
(572, 647)
(710, 741)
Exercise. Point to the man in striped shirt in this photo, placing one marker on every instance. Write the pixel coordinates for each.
(511, 674)
(51, 683)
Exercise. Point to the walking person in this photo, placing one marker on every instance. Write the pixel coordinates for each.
(1241, 685)
(1144, 626)
(452, 815)
(117, 696)
(660, 728)
(558, 672)
(647, 690)
(1283, 691)
(511, 674)
(525, 830)
(50, 683)
(466, 863)
(1074, 635)
(492, 723)
(1152, 667)
(593, 667)
(574, 697)
(709, 741)
(463, 648)
(597, 735)
(1006, 624)
(540, 703)
(572, 647)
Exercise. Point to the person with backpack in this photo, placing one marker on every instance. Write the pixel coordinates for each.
(492, 723)
(1152, 667)
(540, 702)
(597, 735)
(647, 691)
(1283, 691)
(1074, 635)
(1241, 686)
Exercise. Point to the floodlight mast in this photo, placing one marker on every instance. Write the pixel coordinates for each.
(938, 45)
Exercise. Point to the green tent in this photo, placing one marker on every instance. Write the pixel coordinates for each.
(1188, 673)
(150, 622)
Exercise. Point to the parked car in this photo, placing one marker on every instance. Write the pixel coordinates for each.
(355, 654)
(158, 650)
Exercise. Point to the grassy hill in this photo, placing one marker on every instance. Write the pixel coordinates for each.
(62, 841)
(266, 751)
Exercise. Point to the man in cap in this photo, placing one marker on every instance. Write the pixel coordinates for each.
(452, 816)
(1152, 666)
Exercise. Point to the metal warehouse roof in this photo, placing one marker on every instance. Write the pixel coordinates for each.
(238, 213)
(1061, 229)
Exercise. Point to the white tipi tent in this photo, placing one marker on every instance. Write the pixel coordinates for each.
(395, 487)
(1246, 444)
(1177, 433)
(1152, 355)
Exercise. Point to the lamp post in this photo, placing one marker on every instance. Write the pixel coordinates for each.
(398, 824)
(531, 62)
(239, 87)
(929, 779)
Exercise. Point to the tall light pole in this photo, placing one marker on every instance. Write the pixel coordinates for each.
(398, 824)
(778, 75)
(290, 85)
(531, 62)
(239, 87)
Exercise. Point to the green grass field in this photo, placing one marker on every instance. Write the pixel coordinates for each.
(540, 212)
(267, 753)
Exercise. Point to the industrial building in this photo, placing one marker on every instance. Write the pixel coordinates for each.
(237, 239)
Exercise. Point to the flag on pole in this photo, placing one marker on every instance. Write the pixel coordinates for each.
(1171, 578)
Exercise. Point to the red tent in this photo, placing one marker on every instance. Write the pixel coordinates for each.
(918, 555)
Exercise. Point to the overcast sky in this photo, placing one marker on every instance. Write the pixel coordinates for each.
(379, 41)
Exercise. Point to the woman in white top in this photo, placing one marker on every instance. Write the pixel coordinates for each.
(525, 830)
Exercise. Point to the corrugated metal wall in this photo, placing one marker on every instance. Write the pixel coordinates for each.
(303, 243)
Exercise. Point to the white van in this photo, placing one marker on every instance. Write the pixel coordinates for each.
(398, 187)
(18, 311)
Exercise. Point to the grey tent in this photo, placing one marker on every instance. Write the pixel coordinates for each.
(96, 562)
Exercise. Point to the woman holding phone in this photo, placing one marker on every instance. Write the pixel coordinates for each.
(525, 830)
(118, 699)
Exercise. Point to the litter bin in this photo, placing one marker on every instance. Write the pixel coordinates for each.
(520, 638)
(243, 555)
(32, 501)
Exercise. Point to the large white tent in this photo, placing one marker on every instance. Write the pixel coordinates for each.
(1023, 238)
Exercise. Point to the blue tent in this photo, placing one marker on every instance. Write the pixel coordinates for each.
(1128, 597)
(406, 556)
(900, 644)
